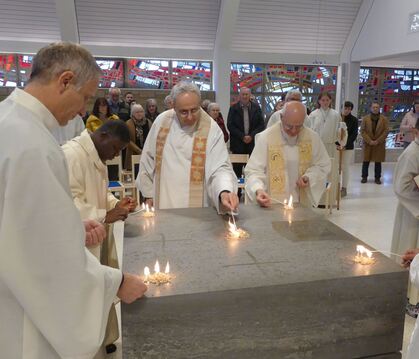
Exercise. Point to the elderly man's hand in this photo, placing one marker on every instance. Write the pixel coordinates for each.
(95, 233)
(128, 203)
(303, 182)
(116, 214)
(263, 198)
(229, 200)
(408, 257)
(131, 289)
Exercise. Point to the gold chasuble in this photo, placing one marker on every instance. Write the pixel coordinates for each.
(197, 171)
(277, 163)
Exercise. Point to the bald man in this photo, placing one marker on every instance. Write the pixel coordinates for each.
(288, 159)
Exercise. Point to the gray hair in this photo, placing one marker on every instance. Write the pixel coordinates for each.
(52, 60)
(211, 105)
(135, 108)
(293, 93)
(115, 89)
(184, 87)
(167, 100)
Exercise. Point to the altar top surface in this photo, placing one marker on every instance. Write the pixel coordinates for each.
(285, 246)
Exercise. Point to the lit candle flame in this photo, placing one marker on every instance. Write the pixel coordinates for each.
(146, 272)
(285, 202)
(157, 267)
(147, 208)
(233, 229)
(152, 209)
(361, 250)
(290, 202)
(143, 206)
(167, 270)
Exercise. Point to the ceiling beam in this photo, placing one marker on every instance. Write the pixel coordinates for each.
(67, 19)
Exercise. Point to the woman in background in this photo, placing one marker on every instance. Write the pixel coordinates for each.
(101, 114)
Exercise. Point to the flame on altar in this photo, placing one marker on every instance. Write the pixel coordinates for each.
(363, 256)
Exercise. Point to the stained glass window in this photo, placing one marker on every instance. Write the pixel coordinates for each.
(8, 72)
(246, 75)
(25, 68)
(281, 78)
(316, 79)
(271, 81)
(152, 74)
(369, 81)
(396, 81)
(113, 72)
(197, 72)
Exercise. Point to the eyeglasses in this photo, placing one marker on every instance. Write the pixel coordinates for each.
(291, 127)
(185, 113)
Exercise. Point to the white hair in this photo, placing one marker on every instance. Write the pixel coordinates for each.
(211, 105)
(184, 87)
(112, 89)
(136, 107)
(293, 93)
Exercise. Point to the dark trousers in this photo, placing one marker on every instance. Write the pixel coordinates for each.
(377, 169)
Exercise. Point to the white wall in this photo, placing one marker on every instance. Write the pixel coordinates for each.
(385, 31)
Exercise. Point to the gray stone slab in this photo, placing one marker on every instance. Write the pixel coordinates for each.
(289, 291)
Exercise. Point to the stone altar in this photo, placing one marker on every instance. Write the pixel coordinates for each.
(289, 291)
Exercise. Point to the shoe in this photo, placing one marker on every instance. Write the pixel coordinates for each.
(110, 348)
(377, 181)
(343, 192)
(364, 180)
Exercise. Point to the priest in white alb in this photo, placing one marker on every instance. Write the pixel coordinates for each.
(411, 259)
(54, 294)
(288, 159)
(185, 162)
(406, 223)
(328, 123)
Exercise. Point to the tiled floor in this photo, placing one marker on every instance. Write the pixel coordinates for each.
(367, 207)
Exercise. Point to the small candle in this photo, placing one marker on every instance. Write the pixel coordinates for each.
(361, 258)
(157, 267)
(146, 273)
(167, 270)
(288, 205)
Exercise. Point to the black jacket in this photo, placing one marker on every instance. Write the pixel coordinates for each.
(235, 125)
(352, 125)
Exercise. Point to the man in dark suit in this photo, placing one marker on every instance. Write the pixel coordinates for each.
(244, 121)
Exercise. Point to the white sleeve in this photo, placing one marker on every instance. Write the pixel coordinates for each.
(61, 287)
(256, 168)
(414, 271)
(78, 187)
(219, 174)
(145, 177)
(318, 171)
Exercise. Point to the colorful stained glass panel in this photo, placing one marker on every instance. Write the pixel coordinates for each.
(8, 72)
(246, 75)
(197, 72)
(113, 73)
(396, 81)
(369, 81)
(25, 68)
(316, 79)
(281, 78)
(152, 74)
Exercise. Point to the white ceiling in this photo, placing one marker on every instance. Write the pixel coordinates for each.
(29, 20)
(294, 26)
(189, 27)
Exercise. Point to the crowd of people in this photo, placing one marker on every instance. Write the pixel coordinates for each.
(58, 260)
